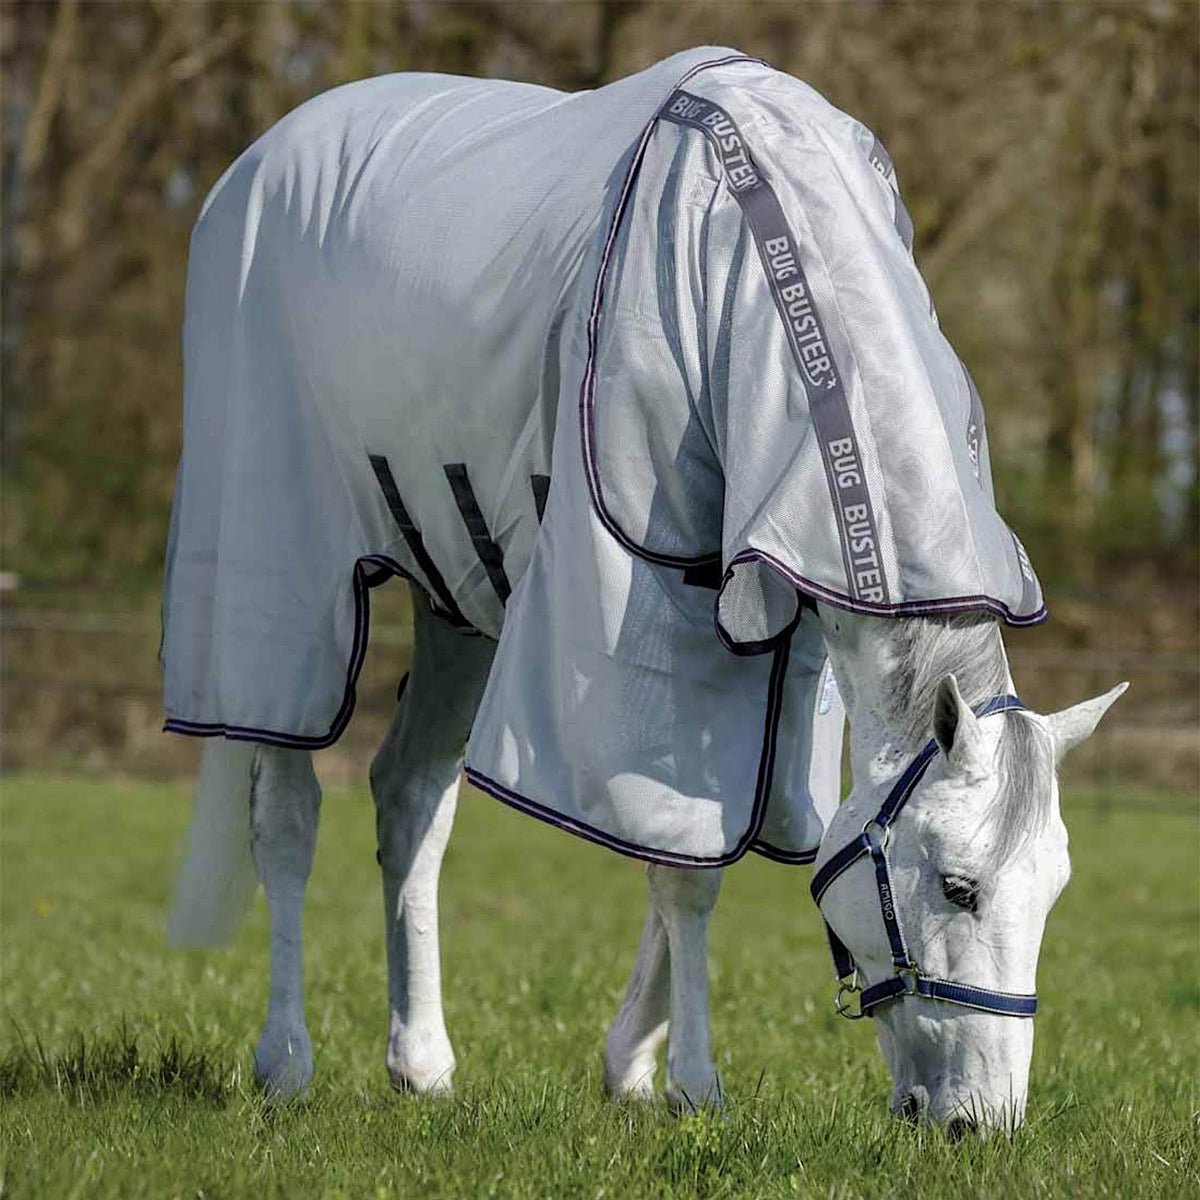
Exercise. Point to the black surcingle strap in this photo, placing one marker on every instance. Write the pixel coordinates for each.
(489, 552)
(414, 540)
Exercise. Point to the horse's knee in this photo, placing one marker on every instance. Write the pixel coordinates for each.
(684, 891)
(415, 821)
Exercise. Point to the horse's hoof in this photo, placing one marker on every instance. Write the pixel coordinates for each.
(283, 1063)
(702, 1096)
(425, 1070)
(423, 1085)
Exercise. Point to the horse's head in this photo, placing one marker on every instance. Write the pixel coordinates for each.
(966, 868)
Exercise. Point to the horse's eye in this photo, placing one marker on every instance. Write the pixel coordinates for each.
(961, 891)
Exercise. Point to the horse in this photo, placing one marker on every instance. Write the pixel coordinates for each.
(566, 365)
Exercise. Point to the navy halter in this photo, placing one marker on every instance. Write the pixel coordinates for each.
(907, 978)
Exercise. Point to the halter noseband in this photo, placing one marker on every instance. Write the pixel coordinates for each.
(907, 978)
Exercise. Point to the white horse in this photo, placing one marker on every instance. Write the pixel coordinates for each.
(978, 859)
(700, 302)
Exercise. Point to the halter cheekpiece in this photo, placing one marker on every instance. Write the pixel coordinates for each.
(907, 977)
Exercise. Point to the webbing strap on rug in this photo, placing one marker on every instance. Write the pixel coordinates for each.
(489, 552)
(412, 536)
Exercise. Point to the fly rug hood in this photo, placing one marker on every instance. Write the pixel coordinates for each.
(641, 391)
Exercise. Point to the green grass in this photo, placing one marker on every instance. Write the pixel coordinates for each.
(124, 1068)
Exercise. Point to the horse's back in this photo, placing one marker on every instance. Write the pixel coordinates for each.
(409, 245)
(364, 219)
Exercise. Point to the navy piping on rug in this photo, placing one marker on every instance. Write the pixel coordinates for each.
(749, 840)
(375, 569)
(364, 580)
(907, 608)
(766, 645)
(789, 858)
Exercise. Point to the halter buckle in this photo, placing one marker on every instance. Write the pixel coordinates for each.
(910, 975)
(881, 842)
(845, 989)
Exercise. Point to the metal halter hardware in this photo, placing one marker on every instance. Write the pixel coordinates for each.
(907, 977)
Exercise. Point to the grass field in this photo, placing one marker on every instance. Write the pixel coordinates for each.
(124, 1068)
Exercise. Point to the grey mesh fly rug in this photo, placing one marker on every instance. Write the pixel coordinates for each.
(618, 378)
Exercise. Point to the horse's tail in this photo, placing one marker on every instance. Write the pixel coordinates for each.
(217, 880)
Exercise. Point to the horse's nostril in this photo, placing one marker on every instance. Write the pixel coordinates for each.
(910, 1108)
(958, 1127)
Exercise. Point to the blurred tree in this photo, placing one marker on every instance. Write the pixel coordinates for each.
(1048, 154)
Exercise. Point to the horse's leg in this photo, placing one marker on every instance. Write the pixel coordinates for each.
(414, 780)
(285, 806)
(640, 1026)
(684, 901)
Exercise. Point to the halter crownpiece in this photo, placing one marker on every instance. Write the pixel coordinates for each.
(907, 978)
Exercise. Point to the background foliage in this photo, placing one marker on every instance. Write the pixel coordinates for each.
(1048, 153)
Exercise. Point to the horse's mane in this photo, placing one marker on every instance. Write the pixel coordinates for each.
(969, 647)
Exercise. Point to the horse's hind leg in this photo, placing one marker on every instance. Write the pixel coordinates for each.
(414, 780)
(285, 806)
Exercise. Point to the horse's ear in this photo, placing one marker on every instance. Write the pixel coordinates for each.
(1076, 724)
(956, 729)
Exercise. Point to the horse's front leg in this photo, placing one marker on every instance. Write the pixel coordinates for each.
(285, 805)
(638, 1029)
(684, 900)
(414, 816)
(414, 780)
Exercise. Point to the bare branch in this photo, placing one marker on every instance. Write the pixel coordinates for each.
(156, 75)
(50, 86)
(193, 64)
